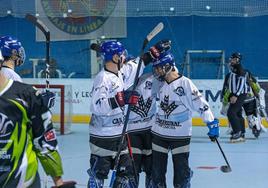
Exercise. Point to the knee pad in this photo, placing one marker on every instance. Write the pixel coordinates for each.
(125, 182)
(93, 181)
(100, 166)
(96, 172)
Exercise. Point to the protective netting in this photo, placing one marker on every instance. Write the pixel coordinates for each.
(138, 8)
(198, 62)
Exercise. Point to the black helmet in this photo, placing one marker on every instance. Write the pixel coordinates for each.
(236, 55)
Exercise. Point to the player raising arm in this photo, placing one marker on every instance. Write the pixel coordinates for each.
(107, 107)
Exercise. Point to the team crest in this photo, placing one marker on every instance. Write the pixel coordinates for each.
(179, 91)
(148, 85)
(143, 107)
(86, 16)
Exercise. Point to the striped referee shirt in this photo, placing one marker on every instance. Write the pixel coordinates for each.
(238, 84)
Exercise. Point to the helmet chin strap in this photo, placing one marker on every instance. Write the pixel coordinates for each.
(120, 60)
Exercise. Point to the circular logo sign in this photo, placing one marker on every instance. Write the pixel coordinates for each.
(78, 17)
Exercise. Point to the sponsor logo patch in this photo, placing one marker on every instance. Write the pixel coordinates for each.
(50, 136)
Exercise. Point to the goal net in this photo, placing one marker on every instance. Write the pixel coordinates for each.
(62, 110)
(198, 62)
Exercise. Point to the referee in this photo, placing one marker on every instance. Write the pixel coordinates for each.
(236, 82)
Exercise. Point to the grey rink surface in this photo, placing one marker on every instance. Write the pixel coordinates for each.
(249, 160)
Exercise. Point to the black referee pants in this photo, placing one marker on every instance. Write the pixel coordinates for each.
(234, 115)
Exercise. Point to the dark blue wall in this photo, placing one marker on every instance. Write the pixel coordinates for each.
(247, 35)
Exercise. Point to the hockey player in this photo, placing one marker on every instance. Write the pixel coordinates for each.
(107, 106)
(178, 98)
(141, 119)
(27, 137)
(142, 115)
(13, 56)
(250, 104)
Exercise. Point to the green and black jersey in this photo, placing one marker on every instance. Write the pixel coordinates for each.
(26, 133)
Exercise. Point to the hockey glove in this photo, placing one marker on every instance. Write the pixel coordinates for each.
(131, 97)
(48, 98)
(214, 131)
(66, 184)
(124, 97)
(120, 98)
(160, 48)
(156, 50)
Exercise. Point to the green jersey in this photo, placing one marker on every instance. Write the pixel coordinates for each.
(26, 134)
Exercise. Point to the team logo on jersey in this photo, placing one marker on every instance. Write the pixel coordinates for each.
(179, 91)
(204, 108)
(166, 107)
(148, 85)
(5, 125)
(114, 87)
(86, 16)
(143, 107)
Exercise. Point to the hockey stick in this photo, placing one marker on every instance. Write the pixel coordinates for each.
(40, 25)
(224, 168)
(149, 37)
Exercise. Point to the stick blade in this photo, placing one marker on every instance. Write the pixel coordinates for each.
(39, 24)
(152, 34)
(155, 31)
(226, 169)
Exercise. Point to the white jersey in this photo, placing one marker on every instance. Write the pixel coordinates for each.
(105, 121)
(177, 101)
(142, 115)
(10, 74)
(129, 70)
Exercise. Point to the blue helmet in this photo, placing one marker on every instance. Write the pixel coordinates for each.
(110, 48)
(9, 47)
(165, 58)
(165, 63)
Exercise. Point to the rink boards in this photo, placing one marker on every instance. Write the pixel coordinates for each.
(78, 97)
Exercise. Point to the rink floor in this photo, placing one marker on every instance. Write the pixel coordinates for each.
(249, 160)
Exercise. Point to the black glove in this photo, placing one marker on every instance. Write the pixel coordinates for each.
(159, 48)
(48, 98)
(156, 50)
(66, 184)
